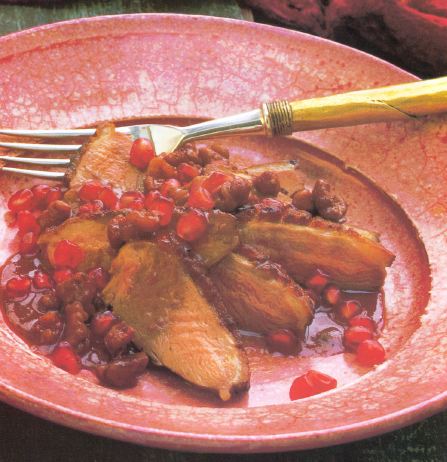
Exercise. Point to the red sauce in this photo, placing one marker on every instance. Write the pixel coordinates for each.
(324, 335)
(23, 314)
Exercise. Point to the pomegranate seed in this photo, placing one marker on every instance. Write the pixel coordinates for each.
(21, 200)
(311, 383)
(141, 153)
(355, 335)
(215, 181)
(28, 243)
(331, 294)
(62, 275)
(160, 205)
(200, 198)
(90, 190)
(54, 194)
(132, 200)
(99, 277)
(42, 280)
(317, 282)
(89, 208)
(186, 172)
(151, 198)
(18, 286)
(108, 198)
(102, 322)
(364, 321)
(40, 192)
(192, 225)
(137, 204)
(370, 353)
(64, 357)
(26, 222)
(68, 254)
(284, 341)
(169, 187)
(349, 309)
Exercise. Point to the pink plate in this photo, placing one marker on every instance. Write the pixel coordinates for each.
(80, 72)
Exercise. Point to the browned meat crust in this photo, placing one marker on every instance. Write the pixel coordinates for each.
(105, 158)
(261, 297)
(351, 260)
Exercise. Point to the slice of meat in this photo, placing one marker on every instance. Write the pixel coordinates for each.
(221, 238)
(261, 297)
(151, 291)
(89, 233)
(350, 260)
(105, 157)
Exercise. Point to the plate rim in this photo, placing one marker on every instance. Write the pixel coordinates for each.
(201, 441)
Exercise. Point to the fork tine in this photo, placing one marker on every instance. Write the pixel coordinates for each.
(36, 160)
(38, 173)
(57, 133)
(42, 147)
(49, 133)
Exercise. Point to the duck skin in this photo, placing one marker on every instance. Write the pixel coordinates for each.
(260, 296)
(351, 260)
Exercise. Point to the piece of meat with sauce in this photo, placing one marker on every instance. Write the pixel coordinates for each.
(89, 233)
(260, 296)
(105, 158)
(151, 291)
(351, 260)
(221, 238)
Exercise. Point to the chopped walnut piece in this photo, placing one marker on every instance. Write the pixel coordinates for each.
(267, 183)
(56, 213)
(329, 206)
(150, 183)
(49, 301)
(79, 288)
(296, 217)
(75, 329)
(303, 200)
(123, 372)
(118, 337)
(233, 194)
(221, 150)
(48, 328)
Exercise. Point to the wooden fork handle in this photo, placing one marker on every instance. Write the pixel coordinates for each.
(398, 102)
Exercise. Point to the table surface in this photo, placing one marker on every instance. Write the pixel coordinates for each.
(28, 438)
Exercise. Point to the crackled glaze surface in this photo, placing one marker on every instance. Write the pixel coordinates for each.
(154, 65)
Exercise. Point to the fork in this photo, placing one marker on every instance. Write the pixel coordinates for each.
(397, 102)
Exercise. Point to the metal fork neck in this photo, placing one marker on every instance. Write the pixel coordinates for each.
(246, 122)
